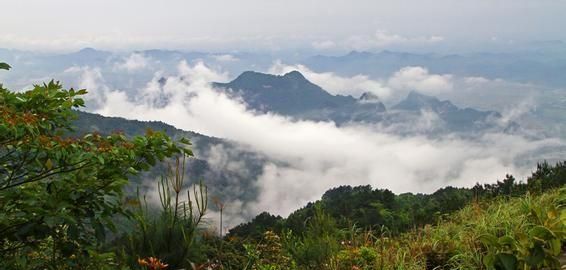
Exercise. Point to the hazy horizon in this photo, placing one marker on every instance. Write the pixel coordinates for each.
(271, 26)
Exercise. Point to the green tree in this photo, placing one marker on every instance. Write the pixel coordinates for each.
(58, 194)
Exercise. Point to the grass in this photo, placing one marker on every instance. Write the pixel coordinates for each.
(506, 233)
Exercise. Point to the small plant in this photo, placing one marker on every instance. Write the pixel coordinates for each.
(169, 233)
(152, 263)
(268, 254)
(536, 242)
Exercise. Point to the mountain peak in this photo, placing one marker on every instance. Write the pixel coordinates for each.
(416, 101)
(87, 50)
(250, 73)
(252, 77)
(359, 54)
(295, 75)
(288, 94)
(90, 51)
(369, 97)
(414, 95)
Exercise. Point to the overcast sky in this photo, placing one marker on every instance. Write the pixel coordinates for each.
(275, 25)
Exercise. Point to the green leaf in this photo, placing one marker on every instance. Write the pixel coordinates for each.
(67, 248)
(507, 241)
(541, 233)
(506, 261)
(49, 164)
(488, 260)
(4, 66)
(489, 240)
(99, 231)
(184, 141)
(51, 221)
(536, 255)
(555, 246)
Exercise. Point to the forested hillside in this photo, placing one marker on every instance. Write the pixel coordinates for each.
(376, 208)
(204, 166)
(523, 232)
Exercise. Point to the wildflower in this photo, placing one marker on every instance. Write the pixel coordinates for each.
(152, 263)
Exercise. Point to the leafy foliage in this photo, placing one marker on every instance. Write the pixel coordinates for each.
(527, 232)
(58, 194)
(370, 208)
(4, 66)
(505, 225)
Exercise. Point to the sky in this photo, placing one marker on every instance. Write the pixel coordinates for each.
(215, 25)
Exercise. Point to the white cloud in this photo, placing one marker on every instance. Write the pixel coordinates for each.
(225, 58)
(381, 39)
(517, 111)
(476, 80)
(323, 45)
(134, 62)
(335, 84)
(406, 79)
(310, 157)
(199, 73)
(91, 79)
(420, 80)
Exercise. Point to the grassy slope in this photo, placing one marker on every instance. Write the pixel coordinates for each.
(486, 233)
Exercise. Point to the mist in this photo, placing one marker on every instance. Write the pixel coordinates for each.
(307, 158)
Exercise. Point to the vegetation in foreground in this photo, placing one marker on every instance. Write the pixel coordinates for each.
(526, 232)
(62, 207)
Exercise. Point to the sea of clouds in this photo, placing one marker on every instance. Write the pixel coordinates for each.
(307, 158)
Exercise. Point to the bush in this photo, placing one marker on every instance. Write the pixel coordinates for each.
(59, 194)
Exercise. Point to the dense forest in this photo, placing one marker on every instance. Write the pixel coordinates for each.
(63, 205)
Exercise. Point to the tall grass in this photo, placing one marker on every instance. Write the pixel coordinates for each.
(526, 232)
(168, 233)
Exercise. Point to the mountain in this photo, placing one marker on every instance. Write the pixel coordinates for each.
(454, 118)
(293, 95)
(541, 67)
(289, 94)
(228, 169)
(417, 102)
(84, 57)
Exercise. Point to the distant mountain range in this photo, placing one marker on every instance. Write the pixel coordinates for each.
(543, 68)
(293, 95)
(453, 118)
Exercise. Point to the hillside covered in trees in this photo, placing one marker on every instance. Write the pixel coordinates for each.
(375, 229)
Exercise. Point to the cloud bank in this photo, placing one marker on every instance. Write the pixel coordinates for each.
(134, 62)
(419, 79)
(381, 39)
(335, 84)
(307, 158)
(412, 78)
